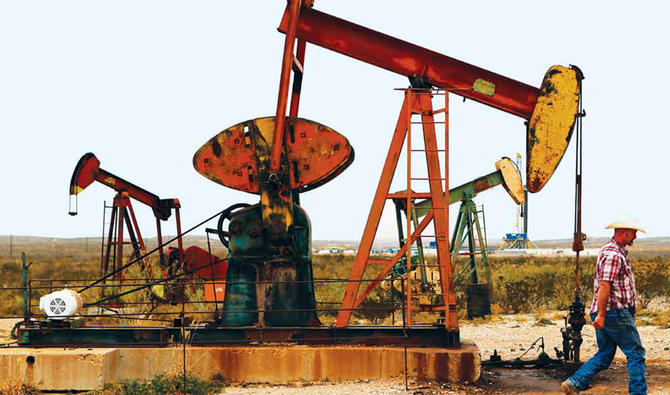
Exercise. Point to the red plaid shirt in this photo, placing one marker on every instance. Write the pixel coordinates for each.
(613, 266)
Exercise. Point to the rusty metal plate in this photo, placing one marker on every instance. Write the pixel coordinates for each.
(237, 157)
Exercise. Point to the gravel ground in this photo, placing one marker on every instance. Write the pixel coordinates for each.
(359, 387)
(6, 325)
(375, 387)
(511, 336)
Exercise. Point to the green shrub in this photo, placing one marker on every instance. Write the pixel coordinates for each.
(162, 385)
(16, 387)
(521, 284)
(651, 280)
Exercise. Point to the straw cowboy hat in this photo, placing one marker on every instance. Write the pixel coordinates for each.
(626, 224)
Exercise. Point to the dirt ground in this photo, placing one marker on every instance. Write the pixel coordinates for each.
(511, 336)
(494, 381)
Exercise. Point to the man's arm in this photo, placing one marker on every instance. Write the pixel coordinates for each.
(603, 297)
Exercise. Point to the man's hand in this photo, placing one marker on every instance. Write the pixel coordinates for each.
(599, 322)
(603, 296)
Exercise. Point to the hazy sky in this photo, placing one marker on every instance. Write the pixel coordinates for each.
(143, 84)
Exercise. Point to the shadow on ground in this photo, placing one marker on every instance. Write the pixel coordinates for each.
(538, 381)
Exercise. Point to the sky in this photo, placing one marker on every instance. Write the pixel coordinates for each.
(143, 84)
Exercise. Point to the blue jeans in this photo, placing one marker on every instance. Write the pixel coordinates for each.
(619, 330)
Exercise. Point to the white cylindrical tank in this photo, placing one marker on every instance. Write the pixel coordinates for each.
(60, 305)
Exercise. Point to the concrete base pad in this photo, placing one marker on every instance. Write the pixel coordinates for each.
(88, 369)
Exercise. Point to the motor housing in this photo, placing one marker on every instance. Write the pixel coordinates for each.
(61, 305)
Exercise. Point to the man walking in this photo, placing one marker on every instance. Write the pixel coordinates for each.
(613, 314)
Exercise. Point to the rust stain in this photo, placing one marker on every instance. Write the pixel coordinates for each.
(551, 124)
(467, 367)
(480, 184)
(239, 156)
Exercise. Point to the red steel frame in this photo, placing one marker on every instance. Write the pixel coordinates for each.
(122, 216)
(306, 24)
(287, 65)
(407, 59)
(282, 201)
(419, 102)
(88, 171)
(416, 102)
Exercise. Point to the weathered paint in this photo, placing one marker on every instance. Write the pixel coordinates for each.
(416, 102)
(550, 126)
(315, 154)
(210, 268)
(91, 369)
(85, 172)
(269, 285)
(550, 109)
(512, 179)
(88, 170)
(411, 60)
(506, 174)
(482, 86)
(229, 158)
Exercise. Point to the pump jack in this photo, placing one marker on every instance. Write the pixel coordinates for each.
(271, 157)
(468, 228)
(270, 280)
(550, 111)
(87, 171)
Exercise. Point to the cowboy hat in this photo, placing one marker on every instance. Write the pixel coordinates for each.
(626, 224)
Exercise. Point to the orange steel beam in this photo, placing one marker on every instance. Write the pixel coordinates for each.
(407, 314)
(389, 265)
(446, 274)
(419, 102)
(374, 217)
(440, 208)
(297, 79)
(408, 59)
(285, 77)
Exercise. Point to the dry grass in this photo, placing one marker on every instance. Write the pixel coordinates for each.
(13, 387)
(527, 284)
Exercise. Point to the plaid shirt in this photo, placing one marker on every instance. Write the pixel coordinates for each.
(613, 266)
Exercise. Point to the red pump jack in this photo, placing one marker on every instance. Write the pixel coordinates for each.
(123, 217)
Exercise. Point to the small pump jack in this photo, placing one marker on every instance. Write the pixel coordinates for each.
(202, 263)
(85, 173)
(467, 225)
